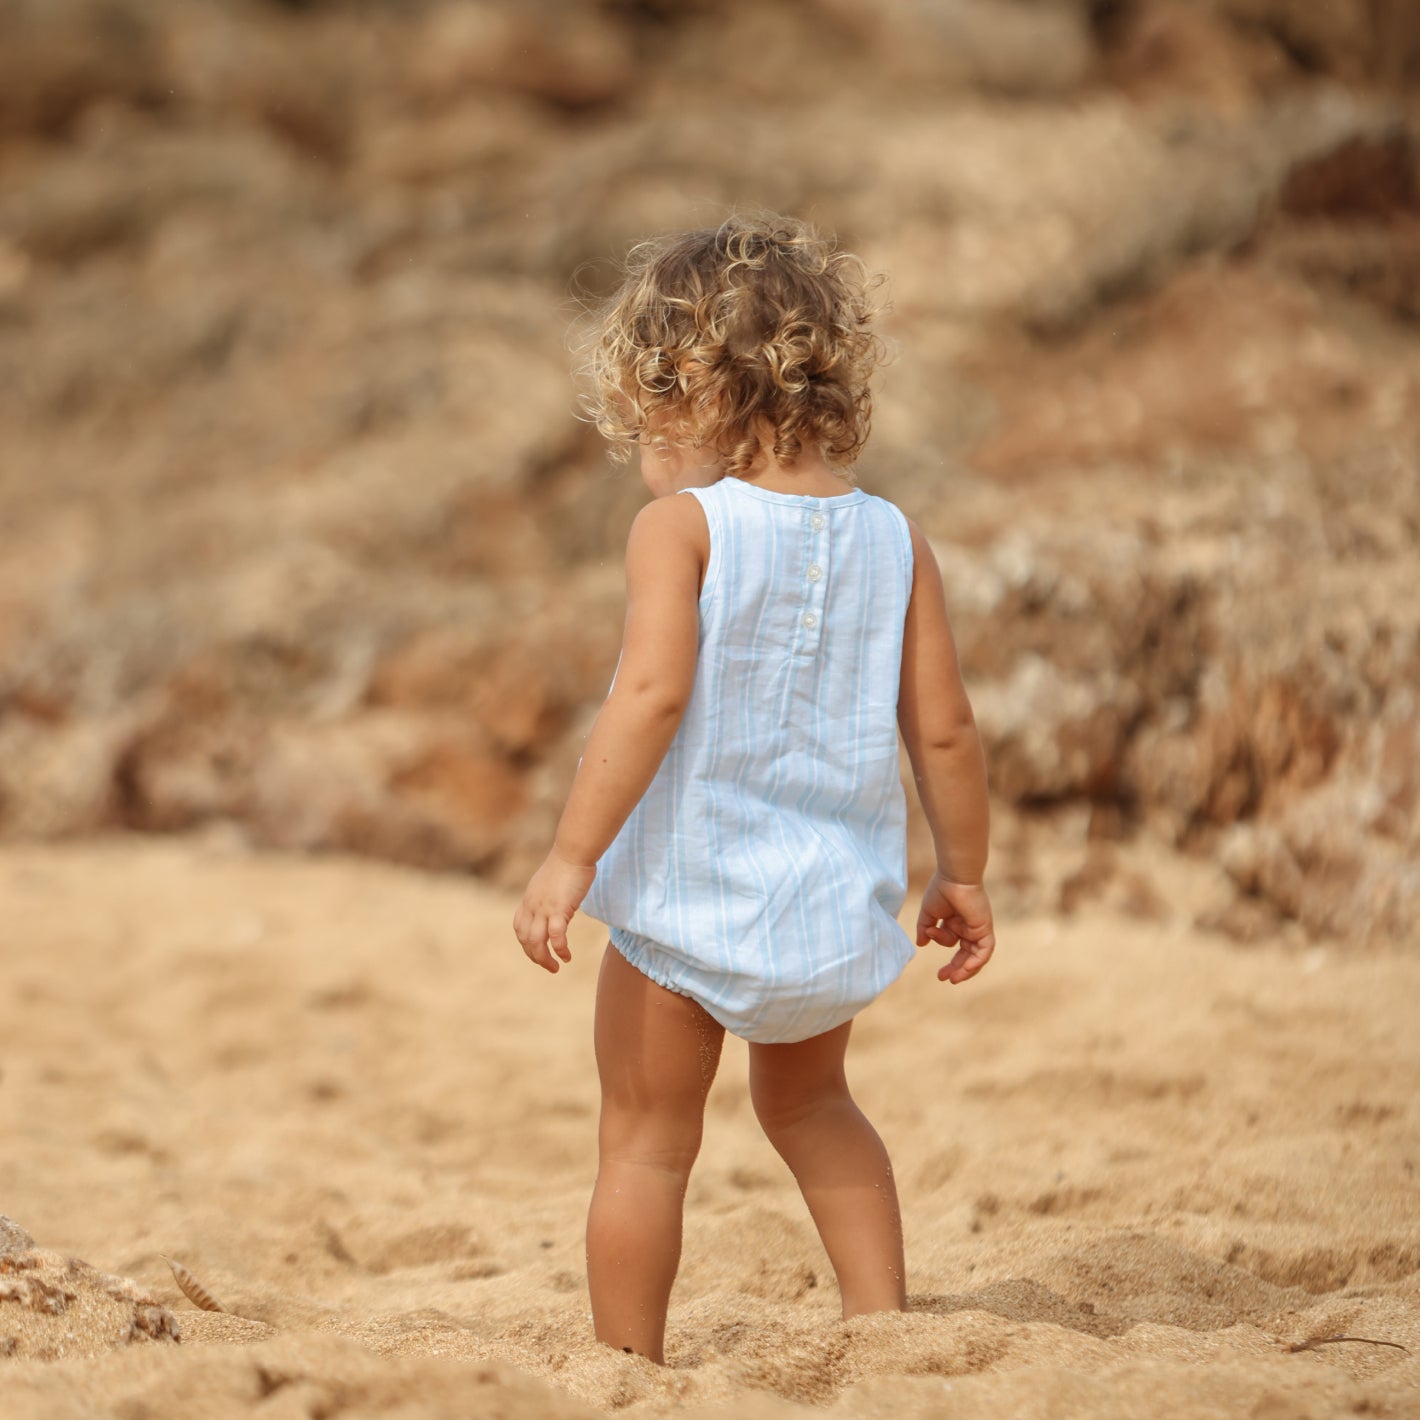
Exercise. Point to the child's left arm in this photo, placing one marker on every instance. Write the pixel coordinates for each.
(665, 556)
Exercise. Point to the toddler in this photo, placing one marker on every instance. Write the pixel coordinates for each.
(737, 818)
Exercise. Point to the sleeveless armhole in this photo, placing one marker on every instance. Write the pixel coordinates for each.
(909, 569)
(908, 553)
(706, 498)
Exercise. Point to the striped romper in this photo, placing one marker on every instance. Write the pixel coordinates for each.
(762, 872)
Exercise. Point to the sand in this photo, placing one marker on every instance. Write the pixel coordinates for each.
(1140, 1166)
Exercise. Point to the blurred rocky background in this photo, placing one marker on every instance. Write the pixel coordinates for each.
(302, 545)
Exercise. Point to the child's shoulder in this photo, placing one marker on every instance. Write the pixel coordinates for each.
(669, 527)
(668, 516)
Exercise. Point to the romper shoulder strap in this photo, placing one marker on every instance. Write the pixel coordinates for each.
(712, 504)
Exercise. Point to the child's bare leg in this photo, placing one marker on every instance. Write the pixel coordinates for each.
(801, 1097)
(656, 1057)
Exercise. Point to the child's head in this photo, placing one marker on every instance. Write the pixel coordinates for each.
(755, 331)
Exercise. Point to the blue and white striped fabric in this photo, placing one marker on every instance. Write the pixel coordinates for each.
(762, 872)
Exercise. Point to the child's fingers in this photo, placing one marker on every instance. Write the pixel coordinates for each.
(535, 944)
(932, 929)
(557, 937)
(982, 937)
(966, 963)
(944, 936)
(949, 932)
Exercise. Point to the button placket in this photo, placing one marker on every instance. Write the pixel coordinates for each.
(815, 582)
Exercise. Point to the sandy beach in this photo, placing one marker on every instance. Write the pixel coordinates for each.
(311, 583)
(1143, 1171)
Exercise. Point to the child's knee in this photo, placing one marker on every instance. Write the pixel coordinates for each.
(779, 1108)
(655, 1138)
(672, 1157)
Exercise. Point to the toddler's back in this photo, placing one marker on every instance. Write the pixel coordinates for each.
(768, 855)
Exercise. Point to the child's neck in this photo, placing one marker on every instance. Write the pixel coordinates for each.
(809, 474)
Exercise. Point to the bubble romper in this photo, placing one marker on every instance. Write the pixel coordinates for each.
(762, 872)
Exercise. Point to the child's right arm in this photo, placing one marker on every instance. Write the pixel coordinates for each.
(665, 558)
(945, 749)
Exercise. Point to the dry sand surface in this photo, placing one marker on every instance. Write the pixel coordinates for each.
(1139, 1166)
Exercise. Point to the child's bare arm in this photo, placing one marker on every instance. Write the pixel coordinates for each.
(942, 742)
(665, 556)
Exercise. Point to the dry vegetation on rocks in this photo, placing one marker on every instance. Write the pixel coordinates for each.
(302, 538)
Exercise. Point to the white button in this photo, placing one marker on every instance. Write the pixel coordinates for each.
(814, 572)
(817, 521)
(810, 620)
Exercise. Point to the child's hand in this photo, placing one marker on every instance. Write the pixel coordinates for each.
(955, 913)
(552, 899)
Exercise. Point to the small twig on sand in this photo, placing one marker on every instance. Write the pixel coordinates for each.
(192, 1288)
(1312, 1343)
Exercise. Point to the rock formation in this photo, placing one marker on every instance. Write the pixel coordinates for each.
(303, 540)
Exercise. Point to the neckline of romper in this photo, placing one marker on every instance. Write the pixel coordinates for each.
(797, 500)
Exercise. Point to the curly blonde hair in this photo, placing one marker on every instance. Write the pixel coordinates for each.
(718, 332)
